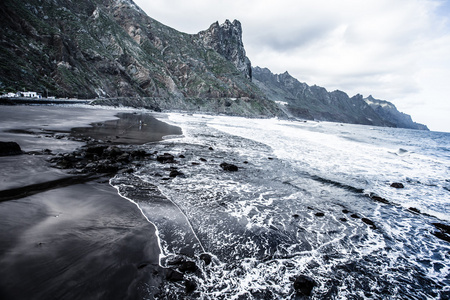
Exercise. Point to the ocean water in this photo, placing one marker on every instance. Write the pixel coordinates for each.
(301, 203)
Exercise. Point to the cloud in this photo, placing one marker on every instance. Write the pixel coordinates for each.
(394, 50)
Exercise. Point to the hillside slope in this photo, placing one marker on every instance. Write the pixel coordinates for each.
(112, 49)
(316, 103)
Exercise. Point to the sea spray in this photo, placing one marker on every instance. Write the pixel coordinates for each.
(301, 203)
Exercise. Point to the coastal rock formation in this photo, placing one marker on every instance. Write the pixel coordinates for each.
(300, 100)
(389, 112)
(9, 148)
(226, 39)
(397, 185)
(304, 285)
(112, 50)
(229, 167)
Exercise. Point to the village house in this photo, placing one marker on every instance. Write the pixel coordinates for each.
(10, 95)
(29, 94)
(33, 95)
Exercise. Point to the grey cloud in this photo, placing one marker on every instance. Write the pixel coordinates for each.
(285, 38)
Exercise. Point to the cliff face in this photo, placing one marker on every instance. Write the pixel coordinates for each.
(226, 39)
(315, 103)
(111, 48)
(389, 112)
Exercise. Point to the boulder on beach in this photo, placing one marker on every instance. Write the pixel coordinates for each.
(175, 173)
(377, 198)
(228, 167)
(397, 185)
(190, 286)
(9, 148)
(166, 158)
(207, 258)
(304, 285)
(369, 222)
(173, 275)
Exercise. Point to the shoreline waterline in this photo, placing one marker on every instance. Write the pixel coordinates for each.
(64, 231)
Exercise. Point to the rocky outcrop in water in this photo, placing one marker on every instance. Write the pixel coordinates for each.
(229, 167)
(9, 148)
(304, 285)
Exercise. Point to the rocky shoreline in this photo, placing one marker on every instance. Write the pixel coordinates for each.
(74, 227)
(79, 227)
(102, 154)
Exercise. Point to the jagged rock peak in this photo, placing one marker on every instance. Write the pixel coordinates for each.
(226, 39)
(121, 3)
(390, 113)
(377, 102)
(316, 103)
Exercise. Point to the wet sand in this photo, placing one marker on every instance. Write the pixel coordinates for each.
(128, 129)
(80, 241)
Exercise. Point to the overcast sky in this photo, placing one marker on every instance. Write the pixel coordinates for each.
(395, 50)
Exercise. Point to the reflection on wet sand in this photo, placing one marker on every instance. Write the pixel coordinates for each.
(130, 128)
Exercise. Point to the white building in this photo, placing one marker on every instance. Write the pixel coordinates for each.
(29, 94)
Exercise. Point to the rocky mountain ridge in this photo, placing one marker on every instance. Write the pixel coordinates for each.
(315, 103)
(226, 39)
(389, 112)
(112, 49)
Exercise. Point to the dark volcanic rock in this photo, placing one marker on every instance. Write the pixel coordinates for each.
(441, 235)
(206, 258)
(397, 185)
(173, 275)
(113, 151)
(166, 158)
(182, 264)
(9, 148)
(304, 285)
(175, 173)
(229, 167)
(98, 150)
(368, 222)
(379, 199)
(188, 267)
(137, 154)
(107, 168)
(414, 210)
(443, 227)
(190, 286)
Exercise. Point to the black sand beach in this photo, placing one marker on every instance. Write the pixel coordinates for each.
(80, 241)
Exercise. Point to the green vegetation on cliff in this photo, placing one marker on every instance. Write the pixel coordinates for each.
(112, 49)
